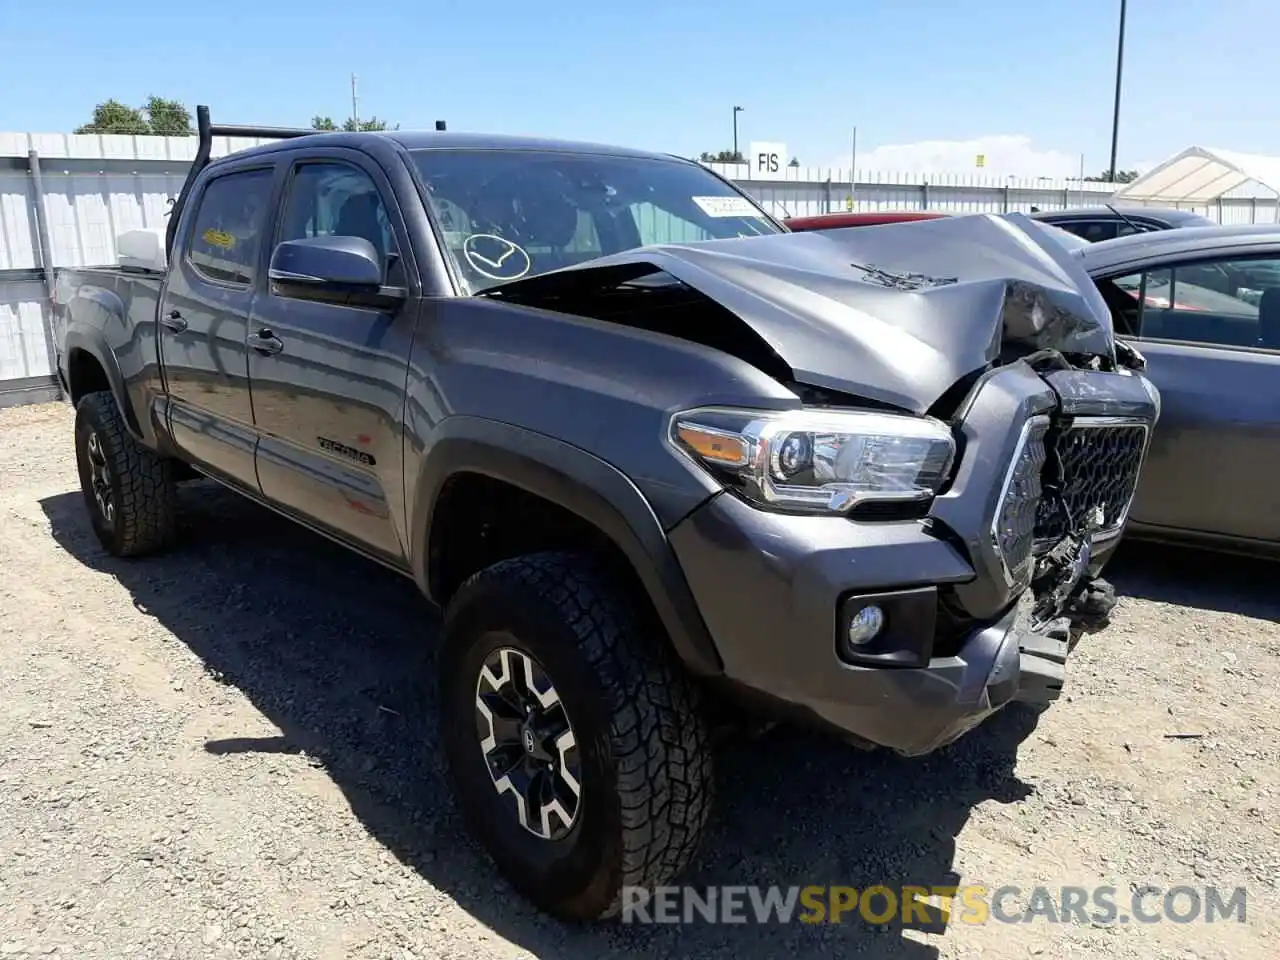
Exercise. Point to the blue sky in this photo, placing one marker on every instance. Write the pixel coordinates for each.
(665, 74)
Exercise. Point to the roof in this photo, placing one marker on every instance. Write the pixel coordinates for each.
(431, 140)
(1170, 215)
(418, 140)
(1175, 244)
(1201, 175)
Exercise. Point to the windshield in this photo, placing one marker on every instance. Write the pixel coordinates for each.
(507, 214)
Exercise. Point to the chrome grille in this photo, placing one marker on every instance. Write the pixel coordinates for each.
(1014, 530)
(1093, 465)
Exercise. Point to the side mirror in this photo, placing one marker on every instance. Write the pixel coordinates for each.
(319, 264)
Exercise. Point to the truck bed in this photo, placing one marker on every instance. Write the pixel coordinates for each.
(120, 304)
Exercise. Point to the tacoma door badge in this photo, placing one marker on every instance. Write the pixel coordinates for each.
(346, 452)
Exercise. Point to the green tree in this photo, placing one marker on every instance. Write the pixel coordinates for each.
(168, 118)
(112, 116)
(158, 117)
(1122, 176)
(349, 125)
(723, 156)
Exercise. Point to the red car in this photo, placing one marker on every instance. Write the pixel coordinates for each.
(834, 221)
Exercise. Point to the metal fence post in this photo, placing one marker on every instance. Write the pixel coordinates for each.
(45, 249)
(924, 195)
(1004, 200)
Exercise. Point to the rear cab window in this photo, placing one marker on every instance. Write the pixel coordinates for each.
(1092, 230)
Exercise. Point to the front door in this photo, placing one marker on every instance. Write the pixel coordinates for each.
(203, 321)
(329, 379)
(1210, 331)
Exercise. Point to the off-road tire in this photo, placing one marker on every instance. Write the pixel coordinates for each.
(644, 750)
(143, 514)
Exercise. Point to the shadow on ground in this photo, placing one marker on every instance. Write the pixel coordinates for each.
(1189, 577)
(337, 653)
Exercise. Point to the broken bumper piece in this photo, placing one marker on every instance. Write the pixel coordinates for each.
(1013, 660)
(917, 711)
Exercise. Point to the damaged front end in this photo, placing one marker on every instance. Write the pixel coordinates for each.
(984, 324)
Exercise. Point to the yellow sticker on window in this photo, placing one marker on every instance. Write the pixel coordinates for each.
(219, 238)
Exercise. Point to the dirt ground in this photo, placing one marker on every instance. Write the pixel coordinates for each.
(229, 751)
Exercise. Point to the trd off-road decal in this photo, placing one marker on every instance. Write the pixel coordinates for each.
(350, 453)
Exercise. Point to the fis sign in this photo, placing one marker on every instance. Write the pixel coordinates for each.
(767, 160)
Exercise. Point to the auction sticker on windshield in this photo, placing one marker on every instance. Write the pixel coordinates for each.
(728, 207)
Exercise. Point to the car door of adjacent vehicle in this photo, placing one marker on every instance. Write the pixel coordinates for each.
(328, 379)
(1210, 330)
(203, 321)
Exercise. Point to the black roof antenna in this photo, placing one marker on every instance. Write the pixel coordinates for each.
(1136, 228)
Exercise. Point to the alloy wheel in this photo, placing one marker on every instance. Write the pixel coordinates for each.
(100, 479)
(528, 743)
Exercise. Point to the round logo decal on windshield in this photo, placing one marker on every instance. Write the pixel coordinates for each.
(496, 257)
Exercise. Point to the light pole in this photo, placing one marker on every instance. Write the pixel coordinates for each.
(1115, 117)
(736, 111)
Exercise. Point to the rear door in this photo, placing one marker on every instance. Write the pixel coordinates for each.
(203, 320)
(1210, 330)
(329, 378)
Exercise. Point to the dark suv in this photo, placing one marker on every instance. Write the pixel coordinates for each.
(654, 455)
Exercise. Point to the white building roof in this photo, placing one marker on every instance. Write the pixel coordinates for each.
(1201, 175)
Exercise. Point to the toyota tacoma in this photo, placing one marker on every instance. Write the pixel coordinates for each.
(648, 449)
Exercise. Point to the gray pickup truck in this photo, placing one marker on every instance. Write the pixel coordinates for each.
(650, 451)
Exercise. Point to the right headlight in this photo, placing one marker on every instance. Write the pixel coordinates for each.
(819, 461)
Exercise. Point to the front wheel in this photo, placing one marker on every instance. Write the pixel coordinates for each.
(576, 744)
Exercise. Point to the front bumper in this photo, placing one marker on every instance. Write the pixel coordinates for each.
(771, 589)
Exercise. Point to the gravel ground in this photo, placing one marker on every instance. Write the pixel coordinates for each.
(228, 751)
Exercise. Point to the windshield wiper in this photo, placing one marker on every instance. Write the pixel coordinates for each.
(902, 281)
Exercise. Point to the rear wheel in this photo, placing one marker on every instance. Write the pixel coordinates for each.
(576, 744)
(130, 492)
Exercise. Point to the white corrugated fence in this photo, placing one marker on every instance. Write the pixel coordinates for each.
(96, 186)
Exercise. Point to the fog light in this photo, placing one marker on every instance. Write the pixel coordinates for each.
(865, 625)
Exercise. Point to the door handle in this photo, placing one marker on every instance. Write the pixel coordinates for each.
(266, 342)
(174, 321)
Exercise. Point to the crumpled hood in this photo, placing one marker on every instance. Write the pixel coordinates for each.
(896, 313)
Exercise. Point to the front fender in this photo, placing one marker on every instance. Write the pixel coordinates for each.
(579, 482)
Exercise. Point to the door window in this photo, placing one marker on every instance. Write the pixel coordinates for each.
(228, 226)
(1233, 303)
(330, 199)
